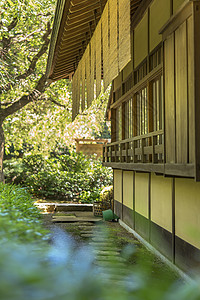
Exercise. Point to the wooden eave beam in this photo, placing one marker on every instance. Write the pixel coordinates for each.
(73, 49)
(77, 2)
(80, 18)
(74, 43)
(81, 9)
(64, 64)
(62, 73)
(87, 16)
(71, 52)
(74, 29)
(80, 23)
(74, 37)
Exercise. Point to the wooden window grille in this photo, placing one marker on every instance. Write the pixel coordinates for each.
(118, 123)
(127, 84)
(155, 59)
(117, 94)
(128, 119)
(140, 73)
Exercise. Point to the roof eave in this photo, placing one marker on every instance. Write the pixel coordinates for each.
(61, 12)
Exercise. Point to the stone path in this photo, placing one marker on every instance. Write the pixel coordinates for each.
(107, 241)
(107, 254)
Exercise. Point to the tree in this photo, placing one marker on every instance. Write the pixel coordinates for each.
(27, 102)
(25, 28)
(40, 126)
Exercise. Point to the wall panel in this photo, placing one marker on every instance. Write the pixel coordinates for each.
(161, 202)
(187, 208)
(127, 70)
(124, 33)
(142, 194)
(118, 185)
(118, 81)
(159, 14)
(177, 4)
(141, 41)
(128, 189)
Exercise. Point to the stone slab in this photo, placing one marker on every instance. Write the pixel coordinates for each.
(69, 219)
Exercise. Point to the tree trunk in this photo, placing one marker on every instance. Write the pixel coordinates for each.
(2, 143)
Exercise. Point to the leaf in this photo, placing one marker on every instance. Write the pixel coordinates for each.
(10, 2)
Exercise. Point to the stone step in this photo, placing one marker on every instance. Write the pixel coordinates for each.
(115, 271)
(104, 246)
(106, 252)
(86, 235)
(106, 263)
(112, 259)
(104, 239)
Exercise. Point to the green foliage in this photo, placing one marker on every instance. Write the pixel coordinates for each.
(90, 123)
(107, 194)
(65, 271)
(46, 121)
(24, 40)
(41, 124)
(24, 36)
(60, 177)
(19, 218)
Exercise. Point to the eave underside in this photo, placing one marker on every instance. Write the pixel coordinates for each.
(79, 20)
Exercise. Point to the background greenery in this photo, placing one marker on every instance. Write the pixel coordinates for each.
(66, 177)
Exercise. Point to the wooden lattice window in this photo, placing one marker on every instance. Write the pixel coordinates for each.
(118, 121)
(142, 112)
(128, 119)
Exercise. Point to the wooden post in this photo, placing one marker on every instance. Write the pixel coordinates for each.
(155, 156)
(143, 144)
(134, 115)
(113, 125)
(196, 11)
(150, 106)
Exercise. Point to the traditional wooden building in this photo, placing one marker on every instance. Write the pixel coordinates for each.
(150, 51)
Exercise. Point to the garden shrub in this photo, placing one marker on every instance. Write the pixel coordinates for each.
(67, 177)
(19, 218)
(107, 194)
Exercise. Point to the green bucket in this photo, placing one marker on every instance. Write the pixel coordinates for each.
(108, 215)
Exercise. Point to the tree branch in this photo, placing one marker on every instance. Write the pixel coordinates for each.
(25, 99)
(33, 62)
(57, 103)
(6, 104)
(6, 40)
(13, 24)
